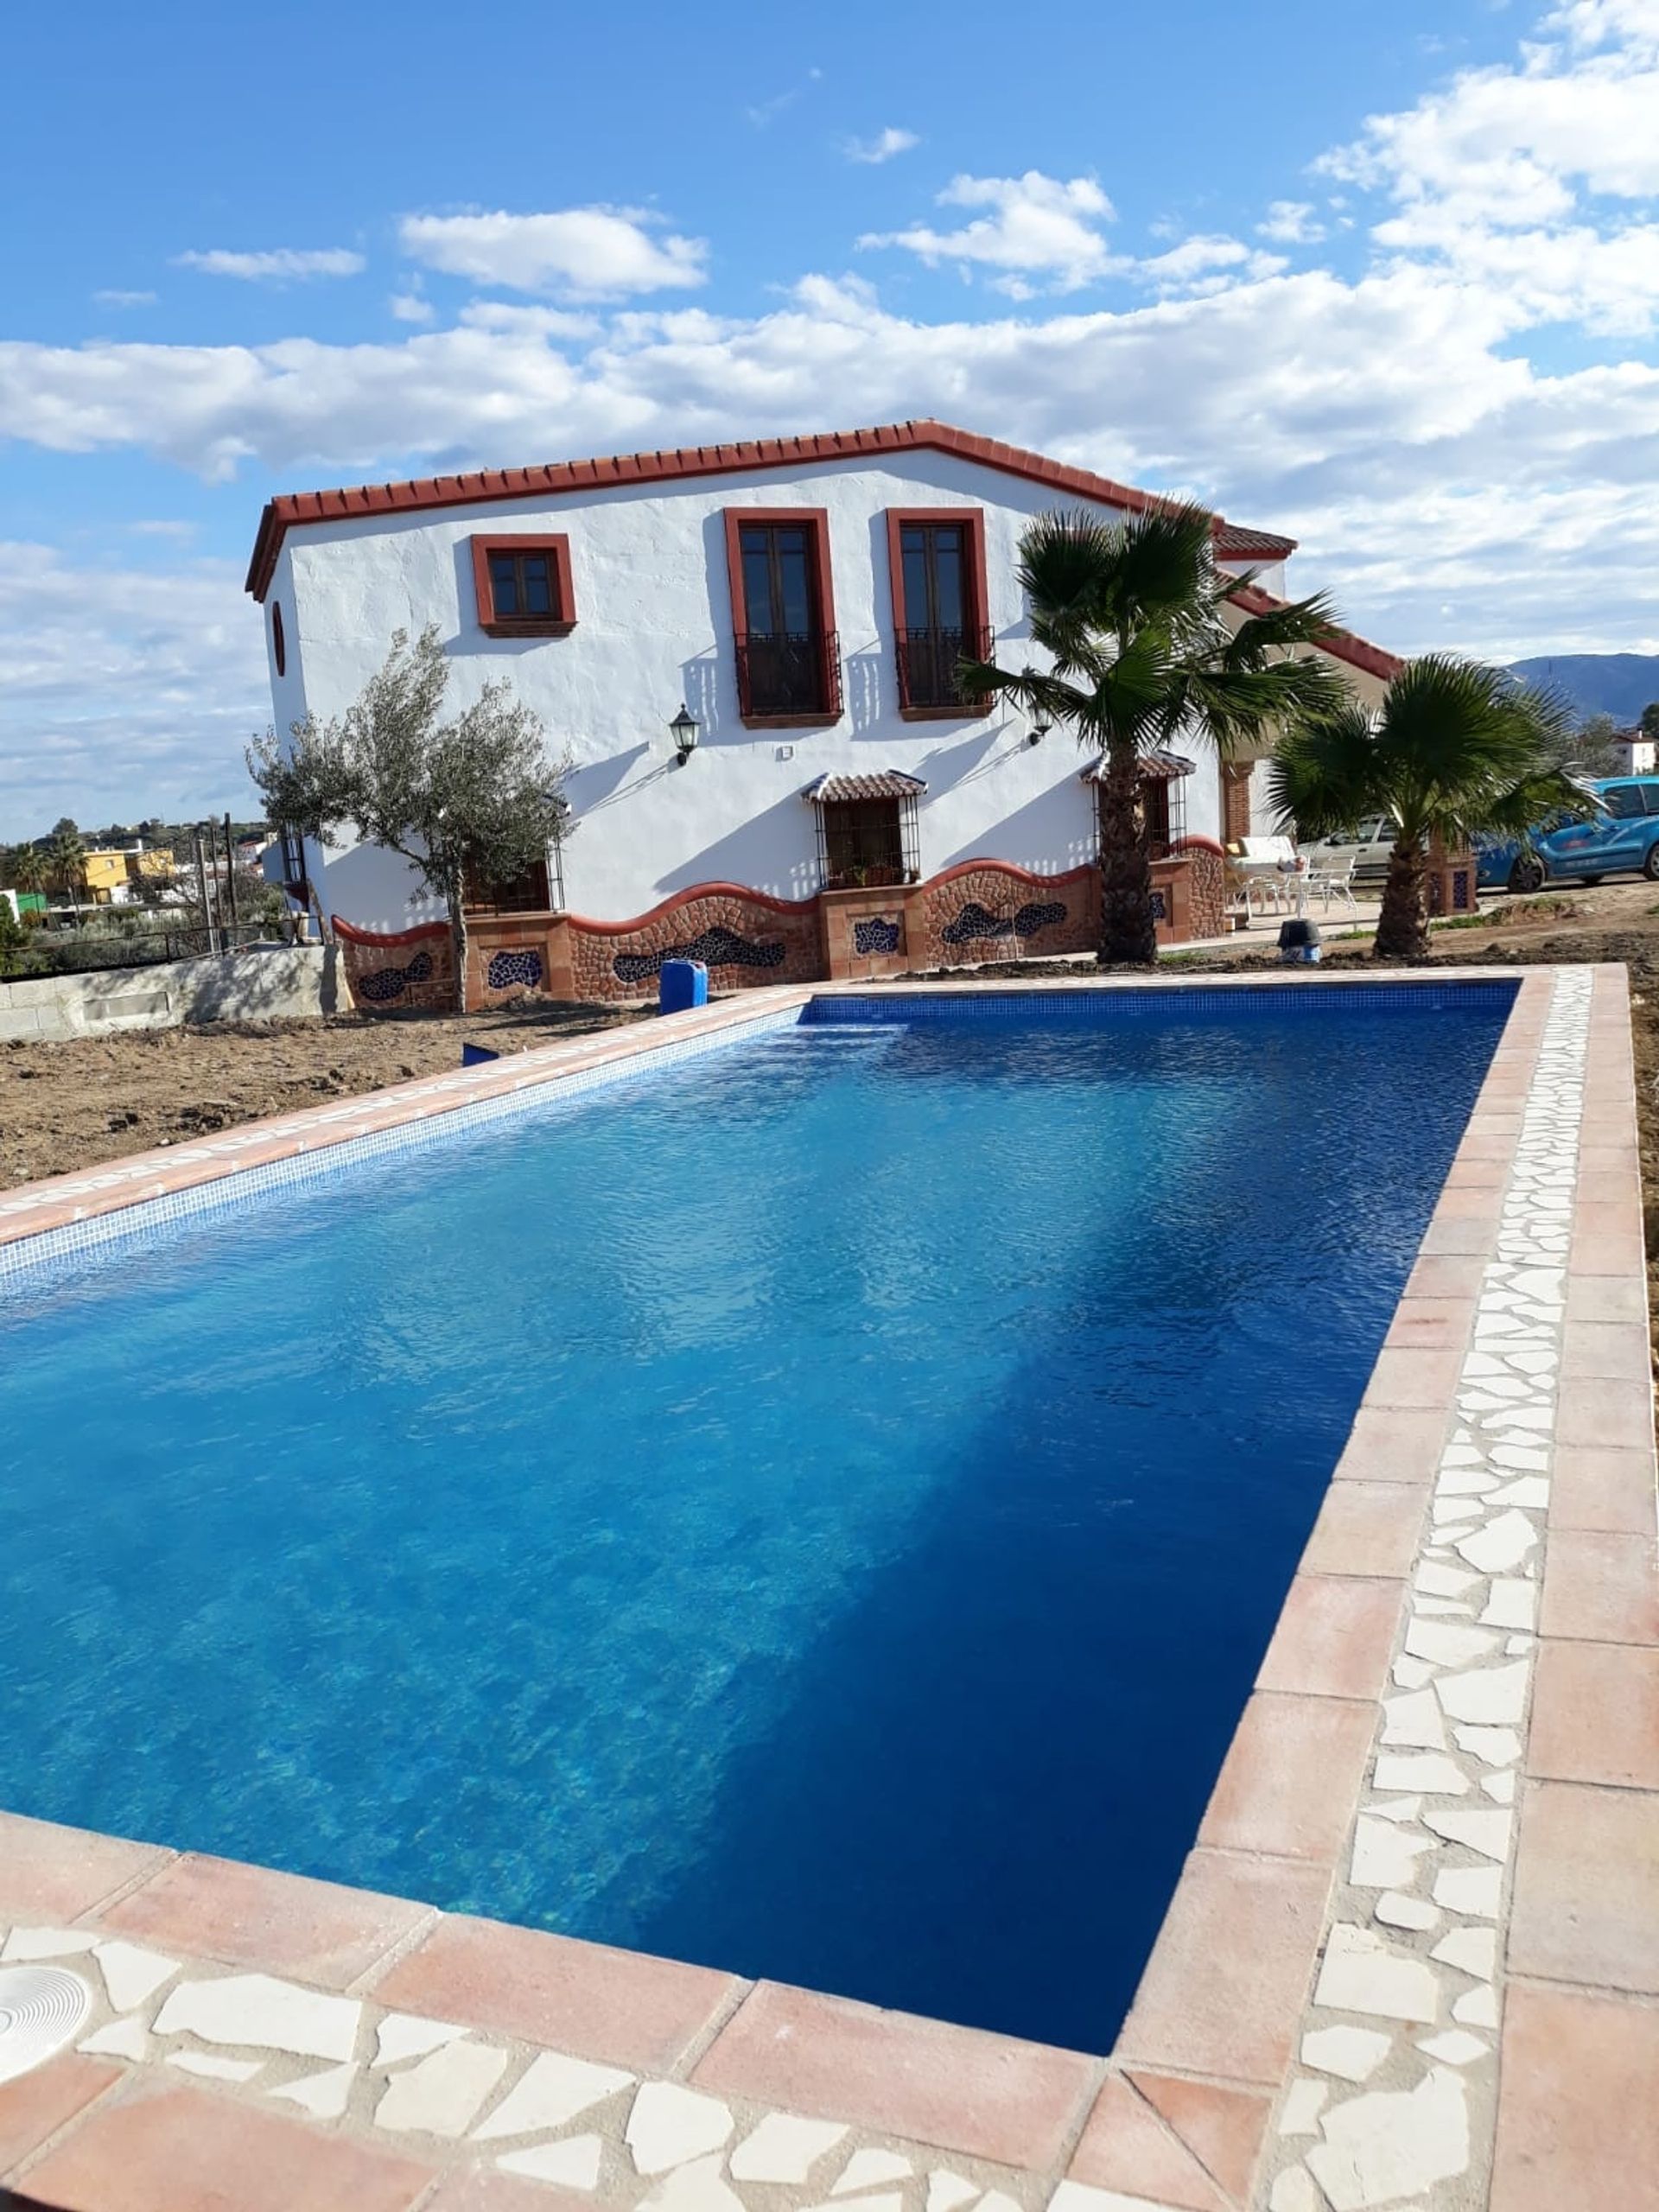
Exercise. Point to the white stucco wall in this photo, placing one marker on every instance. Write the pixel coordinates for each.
(654, 627)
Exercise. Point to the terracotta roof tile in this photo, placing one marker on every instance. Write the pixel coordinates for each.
(882, 783)
(1341, 645)
(294, 509)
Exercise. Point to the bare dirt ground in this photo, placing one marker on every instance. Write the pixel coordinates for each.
(64, 1107)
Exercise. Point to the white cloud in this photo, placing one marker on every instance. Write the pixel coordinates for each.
(1041, 229)
(409, 306)
(1450, 484)
(118, 299)
(123, 692)
(1206, 265)
(882, 148)
(764, 113)
(1291, 222)
(584, 253)
(280, 264)
(1533, 180)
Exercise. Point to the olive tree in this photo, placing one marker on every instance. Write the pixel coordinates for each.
(475, 796)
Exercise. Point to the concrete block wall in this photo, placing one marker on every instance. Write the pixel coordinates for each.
(288, 981)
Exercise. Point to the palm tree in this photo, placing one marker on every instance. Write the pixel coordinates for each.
(1135, 621)
(25, 867)
(1456, 749)
(65, 858)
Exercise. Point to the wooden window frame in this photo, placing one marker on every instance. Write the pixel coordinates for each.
(556, 545)
(816, 522)
(977, 615)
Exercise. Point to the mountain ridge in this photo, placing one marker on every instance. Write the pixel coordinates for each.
(1619, 684)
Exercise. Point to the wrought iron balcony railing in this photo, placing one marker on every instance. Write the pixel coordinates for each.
(795, 672)
(928, 660)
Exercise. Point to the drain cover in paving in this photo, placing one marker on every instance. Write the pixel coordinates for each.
(41, 2008)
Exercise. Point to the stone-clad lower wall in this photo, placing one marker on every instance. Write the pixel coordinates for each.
(742, 936)
(986, 910)
(391, 973)
(979, 911)
(1206, 881)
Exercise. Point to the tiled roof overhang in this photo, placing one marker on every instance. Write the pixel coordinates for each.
(882, 782)
(1158, 767)
(482, 487)
(1341, 645)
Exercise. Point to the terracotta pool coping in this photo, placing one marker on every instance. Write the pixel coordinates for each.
(1178, 2113)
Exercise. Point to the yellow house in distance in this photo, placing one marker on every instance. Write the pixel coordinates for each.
(108, 871)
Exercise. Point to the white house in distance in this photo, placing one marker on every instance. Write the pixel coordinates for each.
(805, 600)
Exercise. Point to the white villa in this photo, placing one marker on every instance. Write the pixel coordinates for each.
(838, 809)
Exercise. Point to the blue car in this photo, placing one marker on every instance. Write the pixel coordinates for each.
(1622, 838)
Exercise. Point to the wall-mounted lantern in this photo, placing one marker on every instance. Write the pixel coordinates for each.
(683, 731)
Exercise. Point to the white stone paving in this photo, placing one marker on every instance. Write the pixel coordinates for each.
(258, 2009)
(1393, 2103)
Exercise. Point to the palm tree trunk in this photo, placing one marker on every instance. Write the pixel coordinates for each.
(1126, 933)
(1402, 926)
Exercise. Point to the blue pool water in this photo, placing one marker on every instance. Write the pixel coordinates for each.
(816, 1510)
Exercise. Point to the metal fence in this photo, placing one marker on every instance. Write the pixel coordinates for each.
(83, 952)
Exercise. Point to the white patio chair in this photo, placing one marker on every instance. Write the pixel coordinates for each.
(1329, 883)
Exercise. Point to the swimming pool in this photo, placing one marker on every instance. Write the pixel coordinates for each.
(816, 1508)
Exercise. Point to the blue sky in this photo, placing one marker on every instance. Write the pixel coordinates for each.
(1383, 279)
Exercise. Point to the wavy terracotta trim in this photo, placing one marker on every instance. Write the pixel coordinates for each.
(685, 898)
(1004, 867)
(386, 940)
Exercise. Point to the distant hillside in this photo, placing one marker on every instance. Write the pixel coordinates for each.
(1619, 684)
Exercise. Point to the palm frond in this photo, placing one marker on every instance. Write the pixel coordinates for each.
(1294, 622)
(1163, 564)
(1066, 561)
(1043, 696)
(1248, 705)
(1328, 776)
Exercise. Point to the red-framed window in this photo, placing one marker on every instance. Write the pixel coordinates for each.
(523, 585)
(783, 617)
(941, 603)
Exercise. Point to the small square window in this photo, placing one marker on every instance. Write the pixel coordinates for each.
(523, 585)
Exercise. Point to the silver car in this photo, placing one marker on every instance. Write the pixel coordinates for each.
(1368, 847)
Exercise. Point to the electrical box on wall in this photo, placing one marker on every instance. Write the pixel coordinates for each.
(784, 752)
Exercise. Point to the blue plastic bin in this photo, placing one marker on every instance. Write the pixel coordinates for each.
(682, 983)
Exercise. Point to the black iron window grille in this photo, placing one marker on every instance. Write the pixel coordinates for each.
(868, 843)
(928, 662)
(538, 890)
(795, 672)
(291, 847)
